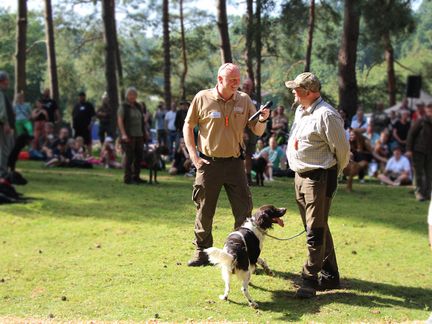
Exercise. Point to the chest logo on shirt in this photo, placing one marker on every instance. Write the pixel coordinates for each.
(238, 109)
(215, 114)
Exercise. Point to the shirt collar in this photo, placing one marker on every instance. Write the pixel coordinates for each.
(217, 96)
(312, 107)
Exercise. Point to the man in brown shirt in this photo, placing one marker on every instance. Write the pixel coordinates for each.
(221, 113)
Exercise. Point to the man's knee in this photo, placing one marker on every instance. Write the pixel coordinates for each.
(315, 236)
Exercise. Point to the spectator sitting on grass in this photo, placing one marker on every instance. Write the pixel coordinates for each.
(182, 162)
(397, 171)
(40, 118)
(371, 134)
(108, 155)
(382, 150)
(47, 143)
(359, 121)
(60, 154)
(276, 158)
(23, 115)
(360, 157)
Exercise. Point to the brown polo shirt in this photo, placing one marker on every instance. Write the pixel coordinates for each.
(221, 123)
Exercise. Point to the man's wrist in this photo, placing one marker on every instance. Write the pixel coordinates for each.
(262, 121)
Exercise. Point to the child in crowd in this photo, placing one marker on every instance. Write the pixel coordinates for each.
(108, 155)
(60, 154)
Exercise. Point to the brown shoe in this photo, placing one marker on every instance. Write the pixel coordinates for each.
(307, 289)
(200, 259)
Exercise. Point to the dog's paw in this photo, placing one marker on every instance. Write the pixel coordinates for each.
(223, 297)
(253, 304)
(269, 272)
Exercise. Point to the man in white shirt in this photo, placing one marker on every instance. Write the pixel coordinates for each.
(317, 152)
(397, 171)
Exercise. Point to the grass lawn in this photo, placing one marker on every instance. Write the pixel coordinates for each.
(89, 247)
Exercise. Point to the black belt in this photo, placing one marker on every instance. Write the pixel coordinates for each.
(315, 172)
(212, 158)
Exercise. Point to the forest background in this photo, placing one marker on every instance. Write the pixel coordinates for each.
(273, 37)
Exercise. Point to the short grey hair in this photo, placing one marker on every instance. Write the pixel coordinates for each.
(129, 90)
(4, 76)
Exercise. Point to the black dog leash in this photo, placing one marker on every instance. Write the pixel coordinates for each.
(285, 239)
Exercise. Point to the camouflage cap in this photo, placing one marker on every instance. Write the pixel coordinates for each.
(306, 81)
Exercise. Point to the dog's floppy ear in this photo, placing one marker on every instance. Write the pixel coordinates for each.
(263, 219)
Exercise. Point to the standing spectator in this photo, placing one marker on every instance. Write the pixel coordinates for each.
(420, 112)
(147, 122)
(160, 125)
(103, 113)
(170, 118)
(280, 126)
(359, 121)
(131, 125)
(82, 117)
(181, 116)
(50, 105)
(249, 137)
(419, 148)
(222, 113)
(398, 169)
(22, 110)
(40, 117)
(400, 130)
(7, 125)
(317, 152)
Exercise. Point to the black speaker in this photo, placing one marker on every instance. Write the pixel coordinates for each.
(413, 86)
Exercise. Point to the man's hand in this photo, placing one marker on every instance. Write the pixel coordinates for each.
(198, 162)
(265, 113)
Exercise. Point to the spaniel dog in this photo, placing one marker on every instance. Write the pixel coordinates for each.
(242, 249)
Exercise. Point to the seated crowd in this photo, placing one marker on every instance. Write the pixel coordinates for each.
(391, 147)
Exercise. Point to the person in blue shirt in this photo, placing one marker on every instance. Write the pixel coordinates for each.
(276, 158)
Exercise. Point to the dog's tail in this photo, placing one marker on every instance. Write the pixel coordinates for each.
(218, 256)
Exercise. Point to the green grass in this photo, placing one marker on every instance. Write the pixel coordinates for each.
(88, 247)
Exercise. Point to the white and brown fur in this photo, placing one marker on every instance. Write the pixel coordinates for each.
(239, 257)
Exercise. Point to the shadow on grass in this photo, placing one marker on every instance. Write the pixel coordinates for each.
(354, 292)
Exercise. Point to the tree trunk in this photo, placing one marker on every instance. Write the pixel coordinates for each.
(310, 35)
(167, 58)
(391, 78)
(21, 44)
(50, 43)
(249, 41)
(222, 22)
(258, 44)
(348, 96)
(184, 54)
(110, 38)
(119, 66)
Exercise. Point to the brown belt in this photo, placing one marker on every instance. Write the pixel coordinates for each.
(315, 172)
(212, 158)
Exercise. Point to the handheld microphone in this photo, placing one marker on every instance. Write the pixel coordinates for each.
(268, 104)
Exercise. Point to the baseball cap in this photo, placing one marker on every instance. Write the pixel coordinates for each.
(306, 81)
